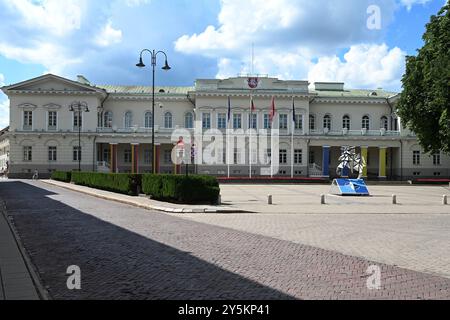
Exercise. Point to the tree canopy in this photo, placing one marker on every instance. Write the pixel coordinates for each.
(424, 104)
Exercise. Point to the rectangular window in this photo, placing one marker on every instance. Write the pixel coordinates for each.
(52, 154)
(167, 156)
(147, 156)
(416, 158)
(206, 121)
(268, 156)
(237, 121)
(267, 124)
(237, 156)
(76, 153)
(298, 122)
(27, 120)
(283, 121)
(222, 121)
(298, 156)
(437, 159)
(127, 156)
(283, 156)
(77, 120)
(106, 154)
(27, 153)
(253, 121)
(312, 123)
(52, 120)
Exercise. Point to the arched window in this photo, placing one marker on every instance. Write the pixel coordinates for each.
(327, 122)
(168, 120)
(148, 120)
(312, 122)
(107, 119)
(366, 122)
(346, 122)
(128, 119)
(384, 123)
(189, 120)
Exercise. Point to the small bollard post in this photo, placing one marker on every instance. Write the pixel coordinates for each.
(219, 200)
(394, 199)
(322, 199)
(444, 200)
(269, 199)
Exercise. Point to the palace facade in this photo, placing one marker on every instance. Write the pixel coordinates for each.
(116, 134)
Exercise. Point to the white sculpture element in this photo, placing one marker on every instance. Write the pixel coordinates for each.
(351, 160)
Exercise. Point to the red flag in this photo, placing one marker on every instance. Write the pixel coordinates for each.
(272, 110)
(253, 108)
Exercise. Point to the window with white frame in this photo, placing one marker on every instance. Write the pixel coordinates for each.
(253, 121)
(147, 156)
(437, 159)
(312, 122)
(77, 119)
(327, 122)
(206, 120)
(299, 122)
(366, 122)
(107, 119)
(298, 156)
(127, 156)
(27, 120)
(283, 156)
(346, 122)
(76, 153)
(148, 120)
(168, 124)
(267, 122)
(384, 124)
(416, 158)
(128, 120)
(106, 154)
(52, 154)
(189, 120)
(167, 156)
(27, 153)
(283, 121)
(222, 121)
(52, 120)
(237, 121)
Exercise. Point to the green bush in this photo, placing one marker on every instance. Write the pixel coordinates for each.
(62, 176)
(181, 189)
(129, 184)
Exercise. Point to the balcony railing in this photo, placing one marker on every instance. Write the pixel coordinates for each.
(362, 132)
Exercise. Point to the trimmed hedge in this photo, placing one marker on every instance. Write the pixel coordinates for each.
(62, 176)
(181, 189)
(129, 184)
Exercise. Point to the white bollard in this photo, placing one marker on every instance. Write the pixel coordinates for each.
(444, 200)
(269, 199)
(219, 200)
(322, 199)
(394, 199)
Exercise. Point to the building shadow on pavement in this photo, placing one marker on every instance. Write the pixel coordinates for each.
(115, 263)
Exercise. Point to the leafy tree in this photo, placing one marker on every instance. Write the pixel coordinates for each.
(424, 105)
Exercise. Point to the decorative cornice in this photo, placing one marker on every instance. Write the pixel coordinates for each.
(55, 93)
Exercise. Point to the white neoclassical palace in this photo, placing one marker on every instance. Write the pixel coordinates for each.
(116, 133)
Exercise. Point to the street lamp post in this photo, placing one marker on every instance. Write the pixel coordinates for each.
(166, 67)
(78, 107)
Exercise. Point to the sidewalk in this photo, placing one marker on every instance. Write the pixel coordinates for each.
(15, 279)
(145, 202)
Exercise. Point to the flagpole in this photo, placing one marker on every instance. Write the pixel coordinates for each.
(228, 137)
(250, 139)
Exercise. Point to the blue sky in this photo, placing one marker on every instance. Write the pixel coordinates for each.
(323, 40)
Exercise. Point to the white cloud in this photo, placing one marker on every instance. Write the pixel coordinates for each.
(136, 3)
(409, 3)
(364, 66)
(108, 36)
(52, 56)
(49, 15)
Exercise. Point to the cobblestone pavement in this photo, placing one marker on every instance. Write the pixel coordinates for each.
(129, 253)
